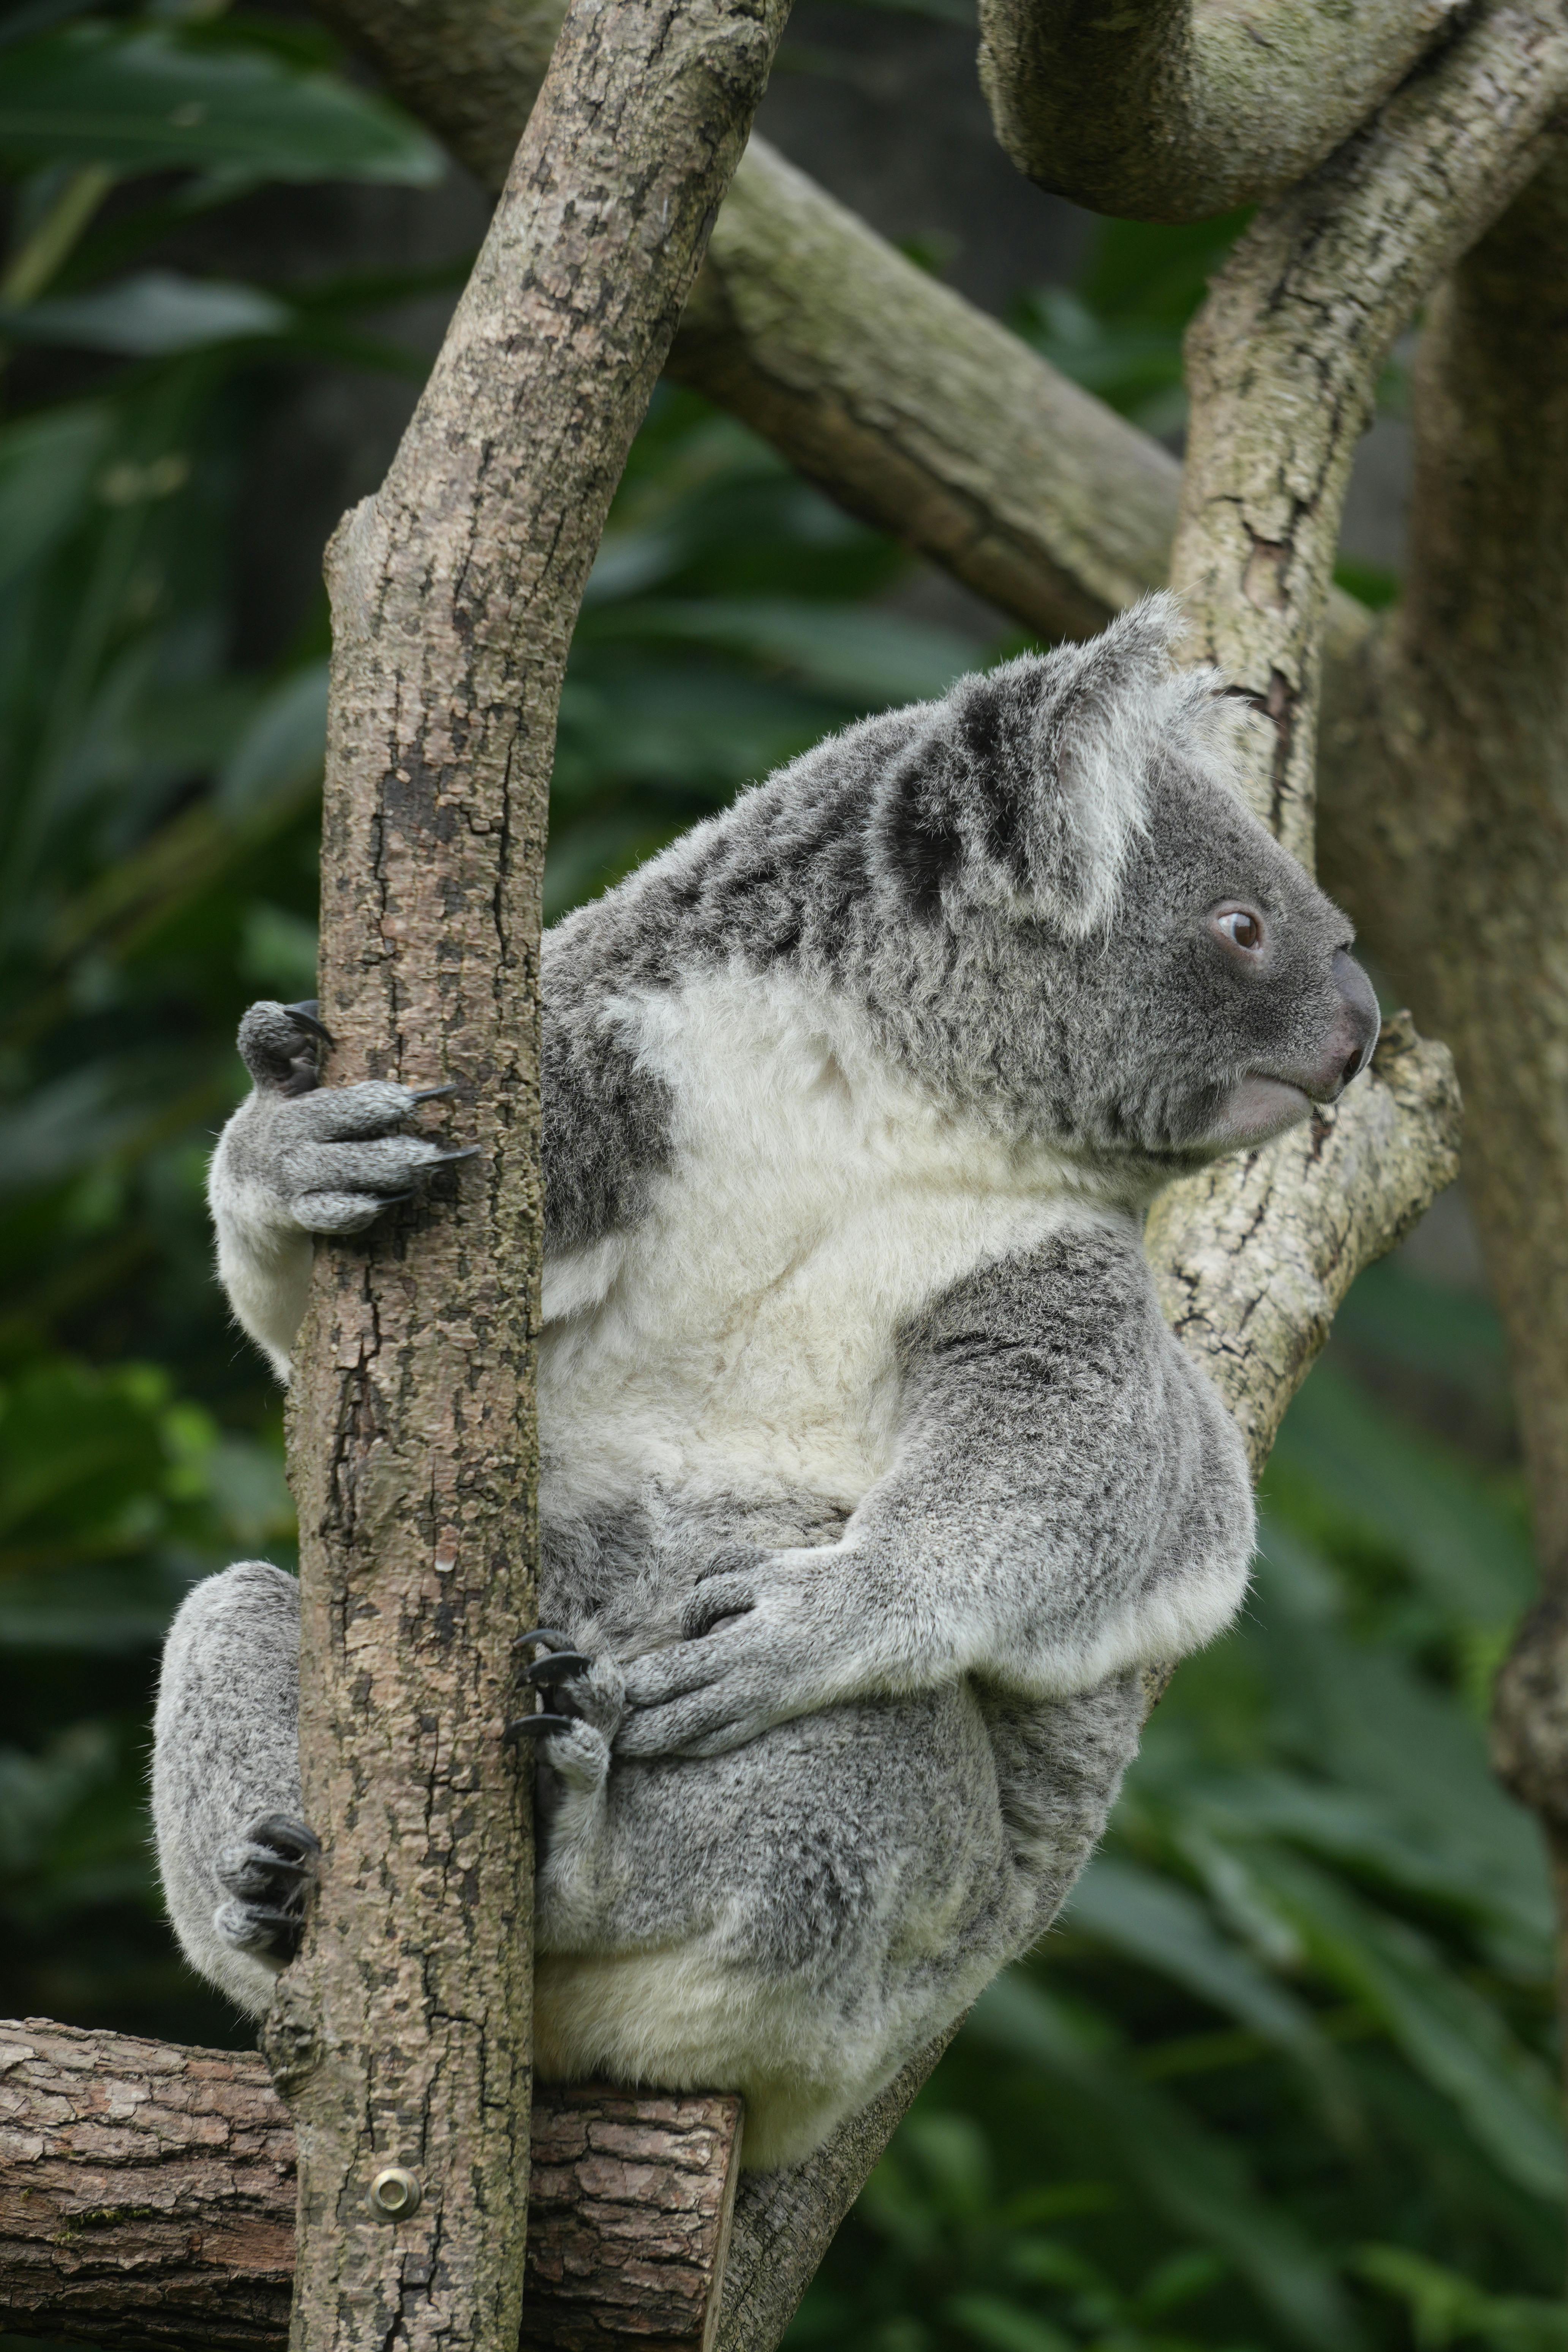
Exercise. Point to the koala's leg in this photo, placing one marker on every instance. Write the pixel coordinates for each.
(238, 1863)
(790, 1920)
(1059, 1771)
(580, 1872)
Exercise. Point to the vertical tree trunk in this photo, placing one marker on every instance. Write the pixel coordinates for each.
(401, 2036)
(1455, 818)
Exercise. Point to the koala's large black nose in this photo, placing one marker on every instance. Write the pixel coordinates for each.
(1359, 1019)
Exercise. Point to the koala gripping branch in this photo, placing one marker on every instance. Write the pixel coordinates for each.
(145, 2189)
(401, 2036)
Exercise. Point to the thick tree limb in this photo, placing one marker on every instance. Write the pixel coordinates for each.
(918, 412)
(1255, 1257)
(401, 2035)
(1283, 362)
(147, 2199)
(1177, 109)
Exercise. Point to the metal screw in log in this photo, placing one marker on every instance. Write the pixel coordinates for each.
(147, 2200)
(394, 2195)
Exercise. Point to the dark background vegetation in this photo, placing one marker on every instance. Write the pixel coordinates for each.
(1285, 2076)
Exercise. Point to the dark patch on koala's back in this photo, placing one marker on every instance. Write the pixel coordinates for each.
(920, 842)
(606, 1119)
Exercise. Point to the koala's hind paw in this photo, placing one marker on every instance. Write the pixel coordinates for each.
(584, 1701)
(269, 1876)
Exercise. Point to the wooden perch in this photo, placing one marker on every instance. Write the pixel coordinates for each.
(147, 2199)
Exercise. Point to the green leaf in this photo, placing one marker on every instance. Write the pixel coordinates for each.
(151, 315)
(1188, 2171)
(282, 749)
(142, 100)
(1459, 2041)
(1158, 1923)
(1003, 2326)
(47, 467)
(871, 658)
(1472, 1555)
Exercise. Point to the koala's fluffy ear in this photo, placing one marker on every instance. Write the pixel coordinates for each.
(1097, 725)
(1031, 778)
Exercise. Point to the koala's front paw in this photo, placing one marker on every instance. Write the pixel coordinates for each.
(301, 1158)
(765, 1642)
(269, 1876)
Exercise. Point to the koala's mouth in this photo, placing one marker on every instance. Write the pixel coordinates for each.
(1259, 1106)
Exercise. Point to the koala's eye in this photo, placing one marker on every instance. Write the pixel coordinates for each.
(1240, 927)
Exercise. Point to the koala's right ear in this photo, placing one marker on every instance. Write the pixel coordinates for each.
(1032, 776)
(280, 1045)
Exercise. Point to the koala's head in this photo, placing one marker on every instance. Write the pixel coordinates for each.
(1135, 963)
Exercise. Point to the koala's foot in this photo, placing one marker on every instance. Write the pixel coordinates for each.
(585, 1700)
(269, 1876)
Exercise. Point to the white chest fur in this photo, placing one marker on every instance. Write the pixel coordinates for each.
(744, 1336)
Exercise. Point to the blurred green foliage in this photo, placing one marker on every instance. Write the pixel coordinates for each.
(1285, 2076)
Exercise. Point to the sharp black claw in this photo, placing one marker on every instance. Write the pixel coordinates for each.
(281, 1831)
(536, 1727)
(434, 1093)
(308, 1013)
(543, 1633)
(556, 1666)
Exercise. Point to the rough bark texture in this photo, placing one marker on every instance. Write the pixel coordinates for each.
(1255, 1257)
(147, 2199)
(1283, 362)
(1177, 110)
(401, 2035)
(1449, 767)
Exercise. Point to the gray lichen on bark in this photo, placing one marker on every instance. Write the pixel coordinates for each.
(1283, 360)
(1177, 109)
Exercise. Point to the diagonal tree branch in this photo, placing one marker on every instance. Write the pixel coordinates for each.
(1283, 362)
(1177, 109)
(1449, 750)
(903, 401)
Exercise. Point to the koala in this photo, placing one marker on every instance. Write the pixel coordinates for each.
(872, 1478)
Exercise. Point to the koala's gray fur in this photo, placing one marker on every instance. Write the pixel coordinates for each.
(872, 1476)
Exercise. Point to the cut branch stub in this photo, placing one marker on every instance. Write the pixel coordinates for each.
(402, 2033)
(1177, 109)
(147, 2199)
(1284, 358)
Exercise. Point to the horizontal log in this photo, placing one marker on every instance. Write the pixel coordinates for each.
(147, 2200)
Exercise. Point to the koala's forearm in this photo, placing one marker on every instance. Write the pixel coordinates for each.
(263, 1263)
(1069, 1502)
